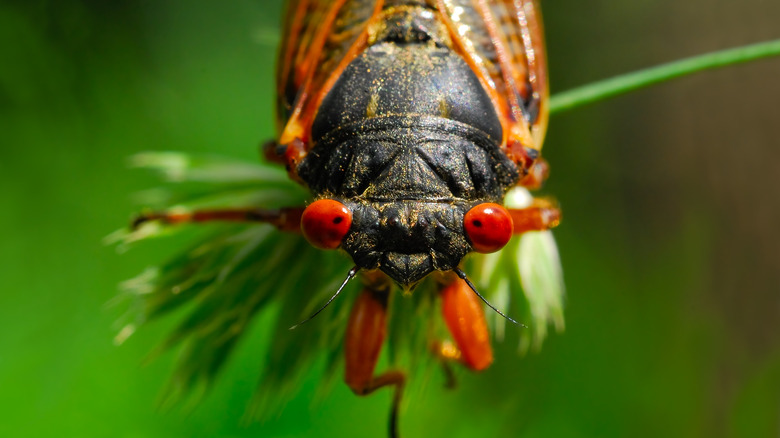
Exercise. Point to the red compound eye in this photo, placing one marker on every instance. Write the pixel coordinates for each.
(325, 223)
(488, 226)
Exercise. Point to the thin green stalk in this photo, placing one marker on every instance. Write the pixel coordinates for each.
(606, 88)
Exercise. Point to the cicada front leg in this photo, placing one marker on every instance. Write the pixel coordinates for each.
(363, 343)
(541, 215)
(285, 219)
(536, 176)
(289, 154)
(465, 319)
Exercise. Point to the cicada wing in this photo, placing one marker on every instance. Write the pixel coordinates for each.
(535, 49)
(319, 38)
(503, 40)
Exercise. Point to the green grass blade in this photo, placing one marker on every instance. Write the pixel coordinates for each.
(606, 88)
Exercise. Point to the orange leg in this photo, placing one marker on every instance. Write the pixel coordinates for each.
(537, 175)
(290, 154)
(447, 353)
(541, 216)
(272, 152)
(363, 343)
(465, 319)
(286, 219)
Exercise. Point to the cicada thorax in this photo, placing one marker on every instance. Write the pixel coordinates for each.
(409, 140)
(500, 40)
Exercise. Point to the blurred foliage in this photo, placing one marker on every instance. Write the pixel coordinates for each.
(669, 240)
(238, 271)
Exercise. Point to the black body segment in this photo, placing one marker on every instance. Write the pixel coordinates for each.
(409, 158)
(391, 78)
(409, 141)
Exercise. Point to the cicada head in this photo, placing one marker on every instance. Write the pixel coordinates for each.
(411, 187)
(407, 239)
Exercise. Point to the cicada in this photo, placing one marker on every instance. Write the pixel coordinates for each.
(408, 121)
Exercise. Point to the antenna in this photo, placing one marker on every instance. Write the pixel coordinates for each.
(350, 276)
(463, 277)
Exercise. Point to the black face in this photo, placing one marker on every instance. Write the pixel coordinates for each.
(408, 183)
(406, 240)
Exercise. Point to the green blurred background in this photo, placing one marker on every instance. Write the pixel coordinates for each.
(669, 244)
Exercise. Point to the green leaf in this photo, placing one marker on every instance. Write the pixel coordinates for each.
(625, 83)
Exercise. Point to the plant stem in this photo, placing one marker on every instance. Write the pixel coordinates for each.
(606, 88)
